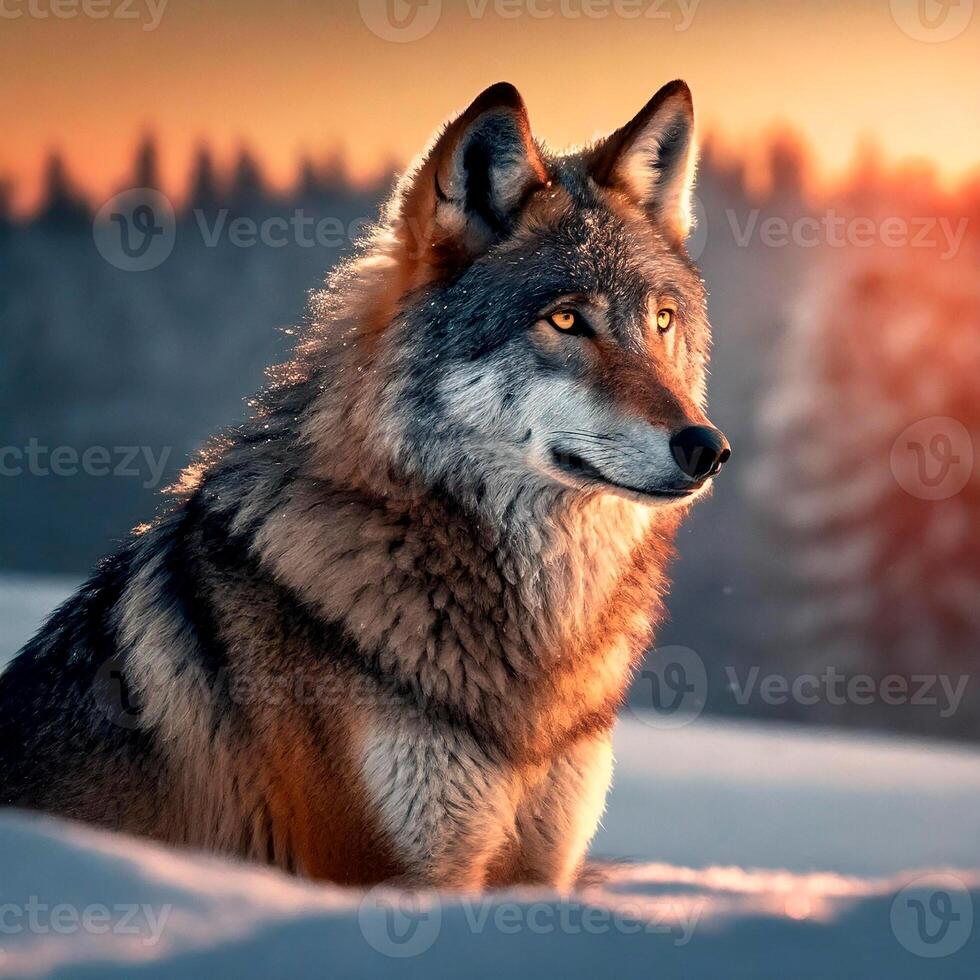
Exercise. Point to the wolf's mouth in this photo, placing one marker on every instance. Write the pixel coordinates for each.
(575, 466)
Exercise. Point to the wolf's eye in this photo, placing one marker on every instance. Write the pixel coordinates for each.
(665, 320)
(568, 321)
(563, 320)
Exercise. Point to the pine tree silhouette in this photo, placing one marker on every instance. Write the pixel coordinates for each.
(248, 195)
(205, 194)
(787, 164)
(6, 205)
(320, 185)
(720, 174)
(62, 207)
(146, 170)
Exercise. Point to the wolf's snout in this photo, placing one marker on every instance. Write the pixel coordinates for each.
(700, 451)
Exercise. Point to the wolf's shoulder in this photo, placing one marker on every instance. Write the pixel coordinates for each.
(45, 692)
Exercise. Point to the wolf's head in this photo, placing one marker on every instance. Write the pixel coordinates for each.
(540, 327)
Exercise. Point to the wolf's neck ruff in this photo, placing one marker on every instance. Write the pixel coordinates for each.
(535, 626)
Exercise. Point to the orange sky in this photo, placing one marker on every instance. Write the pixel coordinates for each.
(307, 75)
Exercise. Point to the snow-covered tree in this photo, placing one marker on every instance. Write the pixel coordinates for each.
(868, 479)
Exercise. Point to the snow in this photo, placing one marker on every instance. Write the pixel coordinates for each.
(769, 795)
(728, 850)
(25, 602)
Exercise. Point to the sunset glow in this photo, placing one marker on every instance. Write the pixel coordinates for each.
(313, 78)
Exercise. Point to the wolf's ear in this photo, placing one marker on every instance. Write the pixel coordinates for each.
(476, 176)
(652, 158)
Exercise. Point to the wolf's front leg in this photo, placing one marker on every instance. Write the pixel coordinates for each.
(558, 816)
(446, 807)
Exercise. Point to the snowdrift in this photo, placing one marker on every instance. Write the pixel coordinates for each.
(728, 851)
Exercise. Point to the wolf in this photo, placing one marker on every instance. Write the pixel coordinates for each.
(382, 631)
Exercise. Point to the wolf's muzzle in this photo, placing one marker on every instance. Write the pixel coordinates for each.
(700, 451)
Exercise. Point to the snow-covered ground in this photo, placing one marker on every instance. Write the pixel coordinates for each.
(728, 850)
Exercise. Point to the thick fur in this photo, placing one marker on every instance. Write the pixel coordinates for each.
(382, 634)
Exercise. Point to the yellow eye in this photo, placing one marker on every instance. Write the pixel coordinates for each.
(665, 320)
(563, 319)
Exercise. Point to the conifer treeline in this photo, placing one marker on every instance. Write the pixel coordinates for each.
(242, 187)
(785, 168)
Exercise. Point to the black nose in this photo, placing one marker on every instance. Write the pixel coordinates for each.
(700, 451)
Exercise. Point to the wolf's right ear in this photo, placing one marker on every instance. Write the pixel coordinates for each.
(651, 159)
(474, 179)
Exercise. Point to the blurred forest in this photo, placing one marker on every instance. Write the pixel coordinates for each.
(842, 316)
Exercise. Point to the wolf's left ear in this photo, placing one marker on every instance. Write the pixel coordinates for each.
(477, 175)
(652, 159)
